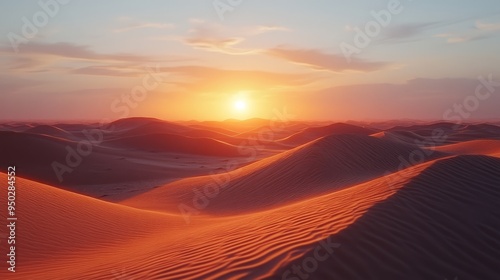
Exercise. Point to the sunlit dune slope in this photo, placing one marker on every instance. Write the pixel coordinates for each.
(325, 164)
(54, 223)
(484, 147)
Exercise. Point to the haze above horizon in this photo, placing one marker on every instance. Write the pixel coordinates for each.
(219, 60)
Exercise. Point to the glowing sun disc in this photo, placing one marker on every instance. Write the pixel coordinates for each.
(240, 105)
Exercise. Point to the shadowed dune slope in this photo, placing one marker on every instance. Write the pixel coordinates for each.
(444, 223)
(50, 130)
(442, 133)
(407, 137)
(142, 126)
(176, 144)
(313, 133)
(147, 126)
(18, 146)
(238, 126)
(35, 155)
(221, 130)
(427, 128)
(205, 133)
(274, 130)
(327, 163)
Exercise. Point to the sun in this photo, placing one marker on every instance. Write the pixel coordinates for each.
(240, 105)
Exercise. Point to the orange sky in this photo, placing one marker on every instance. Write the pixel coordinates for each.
(184, 60)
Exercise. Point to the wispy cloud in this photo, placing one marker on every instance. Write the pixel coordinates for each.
(479, 31)
(207, 79)
(128, 24)
(269, 28)
(452, 39)
(213, 37)
(488, 26)
(319, 60)
(69, 50)
(108, 70)
(144, 25)
(404, 32)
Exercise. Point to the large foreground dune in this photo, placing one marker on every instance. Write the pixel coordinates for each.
(406, 229)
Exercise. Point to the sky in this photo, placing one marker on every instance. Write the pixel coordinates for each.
(236, 59)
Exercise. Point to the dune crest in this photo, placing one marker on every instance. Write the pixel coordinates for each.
(325, 164)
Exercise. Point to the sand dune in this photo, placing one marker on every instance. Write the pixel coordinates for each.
(407, 137)
(453, 133)
(141, 126)
(274, 131)
(58, 225)
(221, 130)
(149, 126)
(427, 129)
(160, 246)
(35, 154)
(482, 147)
(443, 224)
(313, 133)
(328, 163)
(176, 144)
(383, 217)
(51, 130)
(238, 126)
(381, 227)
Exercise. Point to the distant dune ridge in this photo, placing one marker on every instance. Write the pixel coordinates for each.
(177, 144)
(312, 133)
(353, 192)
